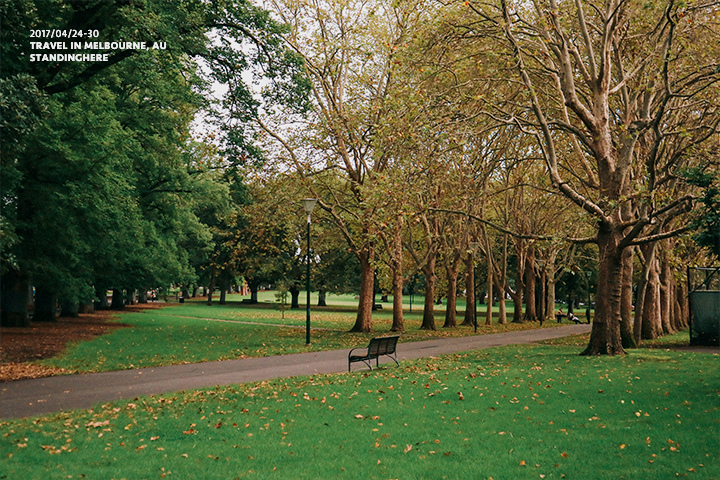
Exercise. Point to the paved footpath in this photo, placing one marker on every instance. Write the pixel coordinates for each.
(24, 398)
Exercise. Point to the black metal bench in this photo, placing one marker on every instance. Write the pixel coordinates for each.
(377, 347)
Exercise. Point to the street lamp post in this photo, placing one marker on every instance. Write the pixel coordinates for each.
(308, 205)
(474, 248)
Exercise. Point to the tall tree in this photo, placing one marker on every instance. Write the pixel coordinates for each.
(634, 92)
(103, 171)
(350, 51)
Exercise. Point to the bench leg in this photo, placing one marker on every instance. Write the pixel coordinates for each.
(366, 362)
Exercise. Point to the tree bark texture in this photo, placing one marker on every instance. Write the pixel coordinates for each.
(451, 308)
(470, 312)
(363, 321)
(651, 319)
(15, 297)
(398, 324)
(428, 322)
(605, 335)
(70, 309)
(118, 299)
(45, 305)
(294, 297)
(489, 306)
(530, 307)
(626, 311)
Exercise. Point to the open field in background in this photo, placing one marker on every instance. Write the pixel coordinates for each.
(518, 412)
(194, 332)
(346, 300)
(339, 314)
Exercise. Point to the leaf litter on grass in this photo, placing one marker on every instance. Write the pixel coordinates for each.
(540, 410)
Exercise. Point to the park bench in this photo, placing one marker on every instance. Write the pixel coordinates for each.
(377, 347)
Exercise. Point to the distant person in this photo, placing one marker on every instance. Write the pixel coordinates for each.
(573, 318)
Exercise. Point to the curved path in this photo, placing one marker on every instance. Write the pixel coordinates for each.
(23, 398)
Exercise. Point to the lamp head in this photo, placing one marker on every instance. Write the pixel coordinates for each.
(309, 204)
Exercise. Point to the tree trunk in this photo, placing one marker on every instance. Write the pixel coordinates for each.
(666, 293)
(322, 298)
(363, 321)
(651, 320)
(470, 312)
(69, 309)
(450, 310)
(253, 293)
(501, 284)
(87, 307)
(541, 298)
(398, 324)
(648, 253)
(626, 313)
(294, 297)
(211, 287)
(550, 293)
(518, 304)
(15, 297)
(530, 311)
(428, 322)
(605, 335)
(45, 305)
(682, 304)
(517, 295)
(103, 303)
(502, 311)
(224, 287)
(489, 307)
(118, 299)
(142, 296)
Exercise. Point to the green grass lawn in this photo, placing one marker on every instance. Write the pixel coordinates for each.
(195, 332)
(527, 412)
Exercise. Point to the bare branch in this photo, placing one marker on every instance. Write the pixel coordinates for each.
(515, 234)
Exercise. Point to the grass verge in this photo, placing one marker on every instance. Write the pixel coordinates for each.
(194, 332)
(511, 412)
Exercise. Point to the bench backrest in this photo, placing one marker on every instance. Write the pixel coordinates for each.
(382, 345)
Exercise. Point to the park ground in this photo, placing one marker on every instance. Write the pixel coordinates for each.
(33, 352)
(529, 411)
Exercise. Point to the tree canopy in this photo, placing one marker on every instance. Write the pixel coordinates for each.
(537, 146)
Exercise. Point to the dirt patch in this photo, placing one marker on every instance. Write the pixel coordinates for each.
(19, 347)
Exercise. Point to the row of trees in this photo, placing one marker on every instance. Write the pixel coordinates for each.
(521, 141)
(104, 184)
(435, 126)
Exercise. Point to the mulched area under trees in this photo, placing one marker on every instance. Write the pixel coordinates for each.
(21, 346)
